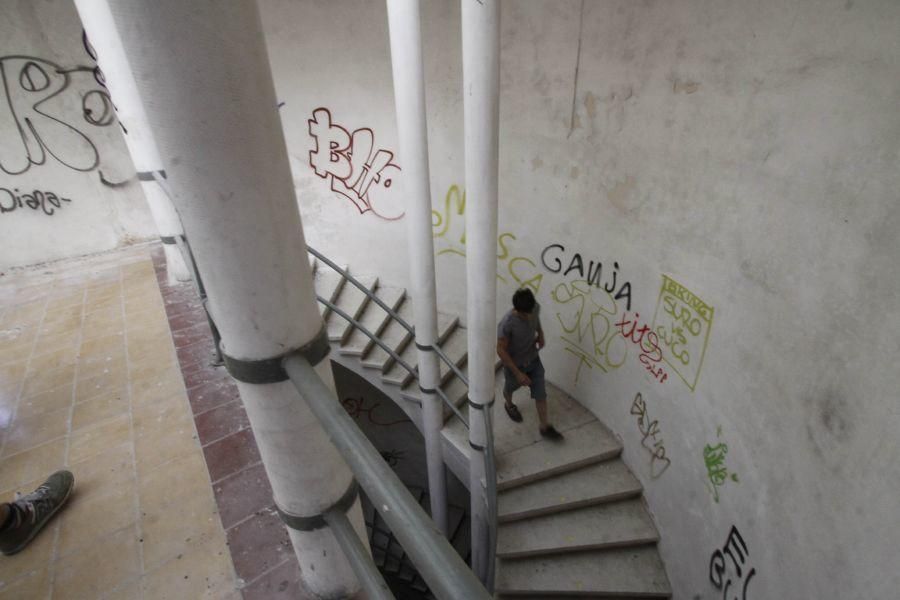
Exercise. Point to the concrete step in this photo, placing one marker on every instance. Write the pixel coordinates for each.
(396, 374)
(607, 481)
(611, 525)
(455, 347)
(634, 572)
(583, 445)
(352, 301)
(373, 318)
(395, 336)
(328, 285)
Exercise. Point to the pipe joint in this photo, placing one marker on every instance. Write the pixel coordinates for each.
(318, 521)
(271, 370)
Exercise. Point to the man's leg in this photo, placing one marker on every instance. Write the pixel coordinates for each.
(539, 393)
(509, 386)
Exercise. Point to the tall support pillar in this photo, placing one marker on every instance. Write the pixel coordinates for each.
(103, 36)
(481, 104)
(203, 73)
(409, 99)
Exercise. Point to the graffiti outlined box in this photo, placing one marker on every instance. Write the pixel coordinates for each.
(683, 322)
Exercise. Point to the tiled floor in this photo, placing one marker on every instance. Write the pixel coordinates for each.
(90, 378)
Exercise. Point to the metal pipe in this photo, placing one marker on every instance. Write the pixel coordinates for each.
(481, 104)
(409, 100)
(366, 572)
(101, 32)
(440, 566)
(203, 73)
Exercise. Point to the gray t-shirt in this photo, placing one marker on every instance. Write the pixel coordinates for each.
(521, 335)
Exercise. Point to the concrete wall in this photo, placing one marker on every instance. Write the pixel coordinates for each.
(59, 140)
(734, 168)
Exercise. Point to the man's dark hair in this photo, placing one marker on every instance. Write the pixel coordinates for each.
(523, 301)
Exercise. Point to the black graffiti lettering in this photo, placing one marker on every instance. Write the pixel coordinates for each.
(718, 569)
(576, 264)
(625, 292)
(558, 262)
(37, 200)
(30, 106)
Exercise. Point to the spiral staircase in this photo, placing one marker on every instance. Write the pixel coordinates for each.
(572, 518)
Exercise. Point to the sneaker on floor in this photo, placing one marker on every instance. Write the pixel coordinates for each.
(551, 433)
(29, 513)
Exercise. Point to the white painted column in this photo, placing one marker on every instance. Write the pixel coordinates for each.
(481, 103)
(409, 100)
(103, 36)
(203, 73)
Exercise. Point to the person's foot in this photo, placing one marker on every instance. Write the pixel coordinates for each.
(29, 513)
(551, 433)
(513, 411)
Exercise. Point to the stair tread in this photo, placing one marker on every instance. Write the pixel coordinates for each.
(352, 301)
(621, 571)
(601, 482)
(455, 347)
(586, 444)
(328, 285)
(396, 374)
(614, 524)
(374, 318)
(394, 335)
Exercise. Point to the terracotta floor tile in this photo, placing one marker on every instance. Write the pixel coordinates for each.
(221, 421)
(203, 571)
(198, 352)
(99, 409)
(192, 335)
(212, 394)
(90, 441)
(104, 564)
(281, 583)
(259, 544)
(201, 373)
(187, 316)
(231, 454)
(38, 555)
(55, 399)
(243, 494)
(91, 516)
(33, 585)
(27, 432)
(32, 464)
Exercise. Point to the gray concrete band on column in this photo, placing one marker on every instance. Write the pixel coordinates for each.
(313, 522)
(271, 370)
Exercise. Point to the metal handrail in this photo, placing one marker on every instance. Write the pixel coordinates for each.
(445, 572)
(488, 454)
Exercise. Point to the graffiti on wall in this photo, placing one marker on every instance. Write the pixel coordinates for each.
(647, 341)
(34, 107)
(716, 471)
(720, 572)
(586, 314)
(553, 259)
(448, 226)
(659, 462)
(353, 167)
(360, 408)
(682, 322)
(37, 200)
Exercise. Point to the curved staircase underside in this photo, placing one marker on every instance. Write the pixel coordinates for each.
(572, 518)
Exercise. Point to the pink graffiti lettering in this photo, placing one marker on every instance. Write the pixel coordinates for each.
(356, 172)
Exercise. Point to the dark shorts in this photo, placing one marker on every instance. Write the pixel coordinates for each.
(535, 372)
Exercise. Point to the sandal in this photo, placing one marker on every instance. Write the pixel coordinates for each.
(513, 411)
(551, 433)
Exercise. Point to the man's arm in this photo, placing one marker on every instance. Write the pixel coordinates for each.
(506, 359)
